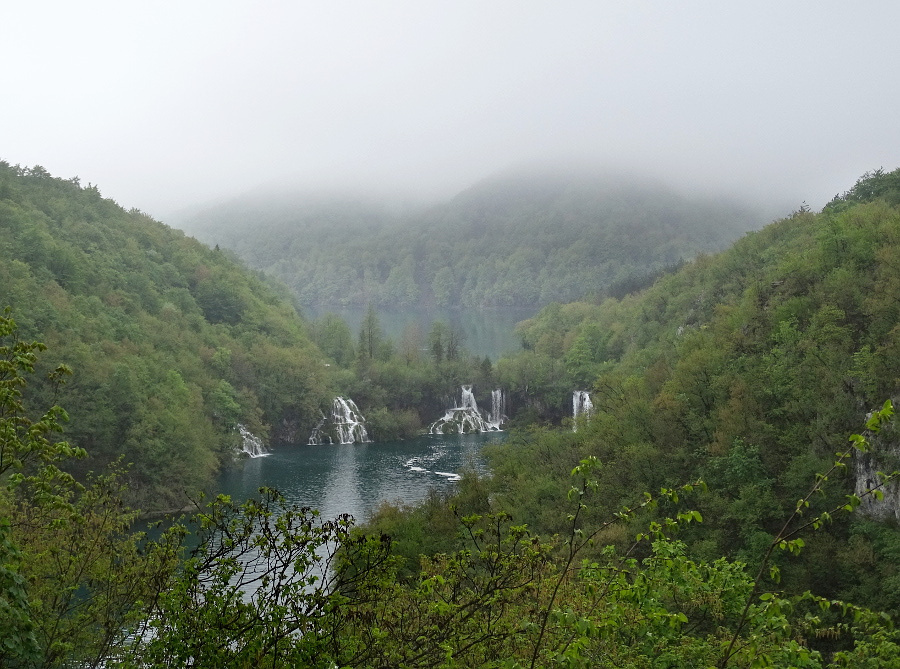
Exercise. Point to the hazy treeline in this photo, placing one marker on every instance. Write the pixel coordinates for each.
(521, 240)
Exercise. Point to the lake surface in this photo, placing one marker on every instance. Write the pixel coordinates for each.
(486, 332)
(357, 478)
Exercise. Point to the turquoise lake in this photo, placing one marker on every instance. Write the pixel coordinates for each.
(356, 478)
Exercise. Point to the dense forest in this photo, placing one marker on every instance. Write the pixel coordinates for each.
(748, 369)
(515, 240)
(172, 344)
(720, 506)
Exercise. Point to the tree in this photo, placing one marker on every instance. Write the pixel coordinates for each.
(74, 579)
(455, 339)
(23, 441)
(268, 585)
(411, 343)
(438, 338)
(332, 334)
(371, 335)
(443, 286)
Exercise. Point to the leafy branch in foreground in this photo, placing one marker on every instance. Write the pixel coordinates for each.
(787, 538)
(23, 440)
(74, 577)
(266, 586)
(270, 585)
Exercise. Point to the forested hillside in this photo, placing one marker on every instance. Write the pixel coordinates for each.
(748, 369)
(710, 511)
(516, 240)
(172, 344)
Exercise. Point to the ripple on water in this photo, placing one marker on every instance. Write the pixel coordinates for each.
(357, 478)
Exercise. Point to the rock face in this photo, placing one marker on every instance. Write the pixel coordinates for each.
(870, 468)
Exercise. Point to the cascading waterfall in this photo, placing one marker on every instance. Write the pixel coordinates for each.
(349, 423)
(581, 406)
(346, 425)
(466, 418)
(319, 435)
(498, 409)
(251, 444)
(468, 399)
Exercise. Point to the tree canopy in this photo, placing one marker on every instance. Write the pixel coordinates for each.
(172, 343)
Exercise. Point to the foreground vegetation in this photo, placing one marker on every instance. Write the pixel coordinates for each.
(747, 369)
(709, 513)
(261, 587)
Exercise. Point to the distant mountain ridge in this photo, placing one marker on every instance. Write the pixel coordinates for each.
(522, 239)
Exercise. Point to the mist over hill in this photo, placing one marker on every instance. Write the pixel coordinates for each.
(521, 239)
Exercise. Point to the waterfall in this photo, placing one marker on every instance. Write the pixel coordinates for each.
(346, 425)
(319, 435)
(498, 409)
(467, 418)
(349, 423)
(468, 399)
(251, 444)
(581, 406)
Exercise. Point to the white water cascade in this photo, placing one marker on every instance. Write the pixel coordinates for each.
(498, 409)
(581, 406)
(319, 436)
(467, 418)
(251, 444)
(346, 425)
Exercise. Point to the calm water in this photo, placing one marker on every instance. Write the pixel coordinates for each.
(356, 478)
(486, 332)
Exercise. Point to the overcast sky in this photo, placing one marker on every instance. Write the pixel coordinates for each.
(166, 104)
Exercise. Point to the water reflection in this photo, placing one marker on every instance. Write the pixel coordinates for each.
(487, 332)
(356, 478)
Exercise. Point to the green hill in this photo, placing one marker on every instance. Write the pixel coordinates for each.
(518, 240)
(172, 344)
(750, 369)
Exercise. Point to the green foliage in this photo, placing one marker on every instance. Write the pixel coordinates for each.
(90, 578)
(746, 366)
(73, 576)
(18, 643)
(269, 584)
(333, 336)
(172, 343)
(874, 185)
(393, 425)
(496, 595)
(262, 589)
(23, 440)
